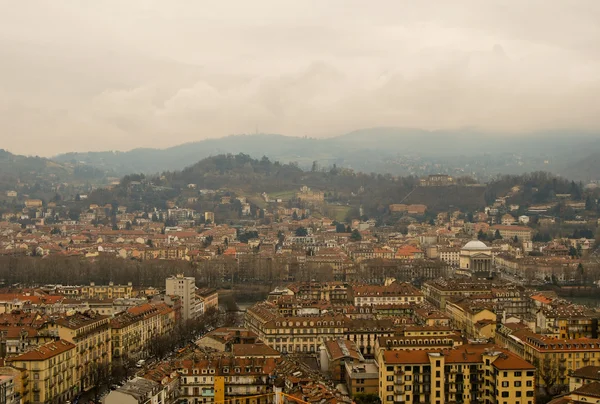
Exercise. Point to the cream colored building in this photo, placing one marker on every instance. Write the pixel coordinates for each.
(184, 287)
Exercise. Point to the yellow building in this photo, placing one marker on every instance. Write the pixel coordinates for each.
(476, 320)
(556, 358)
(49, 372)
(133, 330)
(295, 333)
(212, 380)
(110, 291)
(419, 338)
(90, 333)
(468, 374)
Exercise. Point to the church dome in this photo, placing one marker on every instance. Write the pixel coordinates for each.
(475, 245)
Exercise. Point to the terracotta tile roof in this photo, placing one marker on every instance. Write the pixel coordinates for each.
(588, 372)
(510, 361)
(260, 350)
(44, 352)
(342, 348)
(589, 389)
(409, 357)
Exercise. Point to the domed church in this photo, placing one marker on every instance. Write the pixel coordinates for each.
(476, 260)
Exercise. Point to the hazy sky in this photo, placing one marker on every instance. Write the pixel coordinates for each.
(105, 75)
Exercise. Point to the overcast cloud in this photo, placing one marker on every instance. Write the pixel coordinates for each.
(114, 75)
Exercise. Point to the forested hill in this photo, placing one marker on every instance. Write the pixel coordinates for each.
(244, 175)
(37, 172)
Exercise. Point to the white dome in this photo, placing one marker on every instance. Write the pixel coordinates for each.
(475, 245)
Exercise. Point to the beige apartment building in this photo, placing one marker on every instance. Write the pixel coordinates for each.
(184, 287)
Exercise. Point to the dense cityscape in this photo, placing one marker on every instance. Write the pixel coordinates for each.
(300, 202)
(265, 298)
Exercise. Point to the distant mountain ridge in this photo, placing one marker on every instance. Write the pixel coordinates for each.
(382, 150)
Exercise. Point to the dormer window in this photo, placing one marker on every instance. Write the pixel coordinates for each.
(225, 370)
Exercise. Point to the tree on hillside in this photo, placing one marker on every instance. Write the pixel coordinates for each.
(497, 235)
(355, 236)
(301, 232)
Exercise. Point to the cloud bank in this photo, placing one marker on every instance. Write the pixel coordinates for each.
(79, 75)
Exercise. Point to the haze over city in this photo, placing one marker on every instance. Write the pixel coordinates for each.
(79, 76)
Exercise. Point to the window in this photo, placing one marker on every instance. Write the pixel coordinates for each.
(390, 398)
(504, 384)
(389, 388)
(390, 378)
(517, 374)
(505, 394)
(518, 393)
(529, 383)
(529, 393)
(517, 384)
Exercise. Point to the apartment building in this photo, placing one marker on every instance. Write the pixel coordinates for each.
(184, 287)
(8, 393)
(90, 333)
(386, 294)
(335, 292)
(567, 321)
(438, 291)
(133, 330)
(139, 391)
(420, 338)
(361, 378)
(110, 291)
(294, 333)
(468, 374)
(475, 319)
(449, 255)
(510, 232)
(209, 380)
(583, 376)
(209, 299)
(563, 355)
(365, 332)
(49, 372)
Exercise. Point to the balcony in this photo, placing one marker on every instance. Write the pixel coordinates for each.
(586, 359)
(399, 381)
